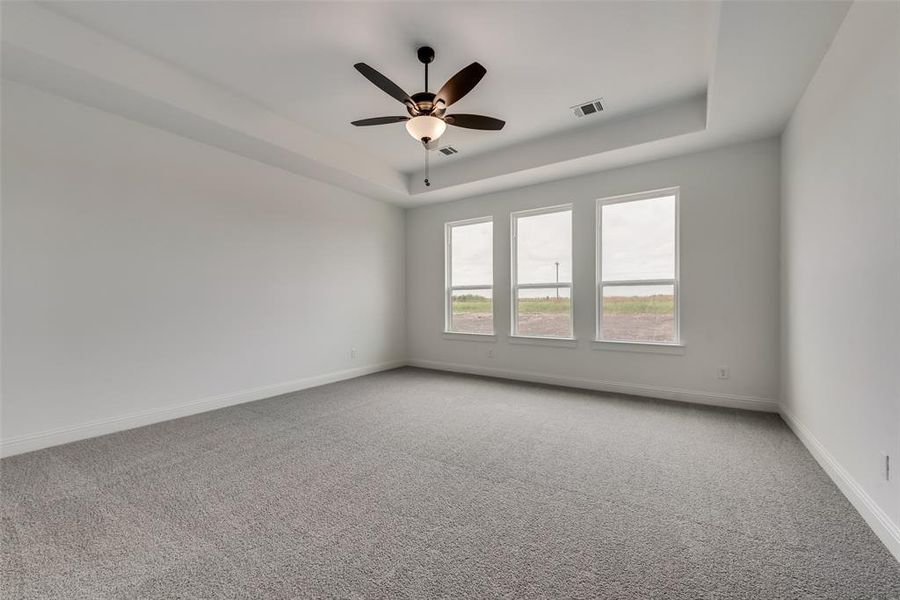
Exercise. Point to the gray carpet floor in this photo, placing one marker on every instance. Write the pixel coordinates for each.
(418, 484)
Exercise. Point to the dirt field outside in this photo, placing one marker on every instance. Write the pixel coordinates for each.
(645, 319)
(473, 323)
(639, 327)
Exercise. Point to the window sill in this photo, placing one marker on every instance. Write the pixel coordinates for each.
(469, 337)
(648, 347)
(552, 342)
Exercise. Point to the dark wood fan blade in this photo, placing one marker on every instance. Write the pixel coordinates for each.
(475, 122)
(383, 83)
(379, 121)
(460, 84)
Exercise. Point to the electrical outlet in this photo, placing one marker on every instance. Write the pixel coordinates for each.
(722, 373)
(353, 353)
(885, 466)
(490, 353)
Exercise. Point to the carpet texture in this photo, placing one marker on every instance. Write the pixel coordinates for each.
(418, 484)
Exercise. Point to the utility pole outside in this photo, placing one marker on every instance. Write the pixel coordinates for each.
(557, 280)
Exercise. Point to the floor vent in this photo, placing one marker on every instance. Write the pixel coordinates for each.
(448, 150)
(588, 108)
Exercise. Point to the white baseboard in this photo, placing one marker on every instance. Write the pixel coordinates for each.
(63, 435)
(883, 526)
(636, 389)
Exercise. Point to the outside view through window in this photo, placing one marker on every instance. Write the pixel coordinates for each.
(638, 270)
(637, 287)
(471, 278)
(543, 274)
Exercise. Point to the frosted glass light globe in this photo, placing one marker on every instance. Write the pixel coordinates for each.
(426, 127)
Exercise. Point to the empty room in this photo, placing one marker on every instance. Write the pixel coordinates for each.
(522, 300)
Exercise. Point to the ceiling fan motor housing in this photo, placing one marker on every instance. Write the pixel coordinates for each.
(425, 105)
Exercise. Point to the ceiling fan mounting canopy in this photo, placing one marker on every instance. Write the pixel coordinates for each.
(427, 118)
(425, 54)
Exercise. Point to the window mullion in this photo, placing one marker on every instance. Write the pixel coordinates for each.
(537, 286)
(627, 282)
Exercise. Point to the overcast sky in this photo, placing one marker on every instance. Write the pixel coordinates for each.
(638, 241)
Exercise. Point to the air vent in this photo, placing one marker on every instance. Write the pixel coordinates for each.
(588, 108)
(448, 150)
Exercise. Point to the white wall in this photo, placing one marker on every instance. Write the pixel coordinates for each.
(143, 271)
(729, 277)
(841, 263)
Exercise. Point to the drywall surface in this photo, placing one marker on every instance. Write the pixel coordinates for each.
(143, 272)
(841, 265)
(729, 282)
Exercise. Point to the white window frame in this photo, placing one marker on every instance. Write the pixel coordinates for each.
(675, 282)
(449, 288)
(516, 286)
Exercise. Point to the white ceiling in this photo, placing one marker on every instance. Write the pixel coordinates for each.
(542, 57)
(275, 80)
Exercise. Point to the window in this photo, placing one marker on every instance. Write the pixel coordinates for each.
(470, 276)
(637, 279)
(542, 273)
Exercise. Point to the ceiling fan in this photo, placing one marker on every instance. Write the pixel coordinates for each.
(427, 118)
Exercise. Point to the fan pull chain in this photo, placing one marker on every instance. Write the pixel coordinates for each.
(427, 183)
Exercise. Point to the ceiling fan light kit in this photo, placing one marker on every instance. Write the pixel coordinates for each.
(427, 120)
(426, 128)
